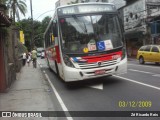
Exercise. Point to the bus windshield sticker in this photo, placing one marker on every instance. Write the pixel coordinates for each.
(85, 50)
(101, 45)
(92, 45)
(108, 44)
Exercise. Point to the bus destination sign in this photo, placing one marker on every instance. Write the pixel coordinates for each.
(86, 9)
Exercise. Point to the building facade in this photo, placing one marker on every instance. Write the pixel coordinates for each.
(141, 24)
(118, 3)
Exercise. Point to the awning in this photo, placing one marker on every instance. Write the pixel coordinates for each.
(133, 34)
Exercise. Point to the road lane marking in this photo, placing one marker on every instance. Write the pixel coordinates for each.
(38, 62)
(153, 74)
(98, 86)
(157, 75)
(141, 83)
(140, 71)
(142, 65)
(59, 98)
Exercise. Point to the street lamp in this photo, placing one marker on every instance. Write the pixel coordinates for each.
(32, 24)
(32, 44)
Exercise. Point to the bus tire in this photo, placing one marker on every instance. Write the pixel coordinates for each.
(57, 70)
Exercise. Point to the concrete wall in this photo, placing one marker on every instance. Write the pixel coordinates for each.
(118, 3)
(10, 61)
(153, 7)
(2, 64)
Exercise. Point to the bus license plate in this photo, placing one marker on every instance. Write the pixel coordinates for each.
(100, 72)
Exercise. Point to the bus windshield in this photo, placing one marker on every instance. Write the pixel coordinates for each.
(90, 33)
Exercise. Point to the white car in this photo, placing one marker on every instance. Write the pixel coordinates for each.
(38, 54)
(42, 54)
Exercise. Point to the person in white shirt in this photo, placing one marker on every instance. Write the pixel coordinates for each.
(24, 58)
(28, 59)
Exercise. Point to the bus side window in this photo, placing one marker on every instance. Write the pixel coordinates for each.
(55, 30)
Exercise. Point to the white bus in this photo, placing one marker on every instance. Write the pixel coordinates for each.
(85, 41)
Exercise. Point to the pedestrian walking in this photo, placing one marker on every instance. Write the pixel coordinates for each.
(34, 57)
(24, 58)
(28, 59)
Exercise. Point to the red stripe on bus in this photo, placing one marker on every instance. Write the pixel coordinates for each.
(106, 57)
(58, 54)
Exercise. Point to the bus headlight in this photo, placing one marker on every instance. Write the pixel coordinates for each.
(67, 61)
(123, 53)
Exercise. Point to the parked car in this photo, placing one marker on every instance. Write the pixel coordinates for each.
(149, 53)
(39, 50)
(42, 54)
(38, 53)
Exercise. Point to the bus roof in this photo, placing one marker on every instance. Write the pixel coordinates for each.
(90, 3)
(84, 8)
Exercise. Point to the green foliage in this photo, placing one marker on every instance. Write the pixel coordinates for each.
(25, 25)
(21, 49)
(3, 1)
(45, 23)
(38, 30)
(16, 7)
(4, 31)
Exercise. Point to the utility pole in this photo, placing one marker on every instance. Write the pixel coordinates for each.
(32, 30)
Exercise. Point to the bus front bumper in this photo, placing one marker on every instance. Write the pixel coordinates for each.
(73, 74)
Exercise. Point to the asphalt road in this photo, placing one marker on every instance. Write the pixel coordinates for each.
(137, 90)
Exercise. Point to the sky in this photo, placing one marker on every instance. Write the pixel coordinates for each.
(41, 9)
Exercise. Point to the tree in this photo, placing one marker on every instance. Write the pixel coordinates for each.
(39, 29)
(3, 1)
(45, 23)
(16, 7)
(25, 25)
(42, 29)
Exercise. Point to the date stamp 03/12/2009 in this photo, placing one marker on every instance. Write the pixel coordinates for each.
(135, 104)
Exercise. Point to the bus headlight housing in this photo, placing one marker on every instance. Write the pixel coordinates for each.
(67, 61)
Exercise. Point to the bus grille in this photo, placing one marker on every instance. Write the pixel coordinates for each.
(95, 65)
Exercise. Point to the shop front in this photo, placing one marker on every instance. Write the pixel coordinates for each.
(134, 40)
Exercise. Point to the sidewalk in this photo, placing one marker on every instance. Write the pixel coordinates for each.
(30, 92)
